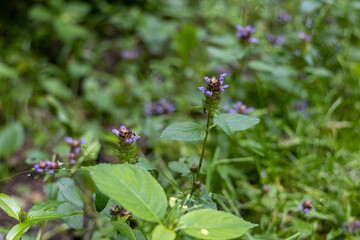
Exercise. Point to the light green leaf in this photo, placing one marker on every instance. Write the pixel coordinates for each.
(161, 232)
(222, 124)
(179, 167)
(186, 41)
(10, 206)
(212, 224)
(124, 229)
(100, 201)
(17, 231)
(235, 122)
(11, 139)
(260, 66)
(309, 6)
(133, 187)
(68, 192)
(184, 131)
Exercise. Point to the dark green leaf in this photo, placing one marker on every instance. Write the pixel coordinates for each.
(100, 201)
(184, 131)
(133, 187)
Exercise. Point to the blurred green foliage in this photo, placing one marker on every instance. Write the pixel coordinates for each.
(63, 72)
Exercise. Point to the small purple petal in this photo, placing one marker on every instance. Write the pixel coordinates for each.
(116, 132)
(232, 111)
(69, 140)
(130, 140)
(202, 89)
(306, 210)
(123, 128)
(136, 137)
(239, 27)
(249, 110)
(36, 166)
(40, 170)
(72, 161)
(202, 188)
(346, 224)
(352, 229)
(51, 171)
(253, 40)
(209, 93)
(77, 150)
(357, 223)
(82, 141)
(301, 207)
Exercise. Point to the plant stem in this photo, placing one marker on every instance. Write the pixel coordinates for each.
(41, 232)
(196, 175)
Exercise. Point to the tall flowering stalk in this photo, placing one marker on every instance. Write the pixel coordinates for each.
(212, 93)
(126, 151)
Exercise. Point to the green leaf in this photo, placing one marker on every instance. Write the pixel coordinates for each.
(100, 201)
(222, 124)
(73, 203)
(11, 139)
(179, 167)
(10, 206)
(212, 224)
(124, 229)
(186, 41)
(235, 122)
(184, 131)
(133, 187)
(309, 6)
(161, 232)
(17, 231)
(260, 66)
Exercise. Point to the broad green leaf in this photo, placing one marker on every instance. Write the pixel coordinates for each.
(11, 139)
(161, 232)
(184, 131)
(186, 41)
(235, 122)
(100, 201)
(124, 229)
(309, 6)
(133, 187)
(146, 164)
(179, 167)
(222, 124)
(49, 205)
(35, 217)
(68, 192)
(212, 224)
(260, 66)
(17, 231)
(10, 206)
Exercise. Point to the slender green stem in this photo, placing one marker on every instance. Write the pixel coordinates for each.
(41, 231)
(196, 175)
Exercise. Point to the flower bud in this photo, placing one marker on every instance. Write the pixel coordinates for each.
(194, 168)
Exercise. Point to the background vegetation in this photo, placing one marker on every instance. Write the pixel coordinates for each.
(81, 68)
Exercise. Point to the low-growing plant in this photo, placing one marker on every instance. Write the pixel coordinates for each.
(129, 192)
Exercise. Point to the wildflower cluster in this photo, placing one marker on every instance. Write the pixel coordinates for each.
(352, 225)
(304, 37)
(48, 166)
(241, 108)
(126, 150)
(160, 107)
(75, 148)
(245, 34)
(212, 91)
(305, 206)
(284, 17)
(129, 55)
(123, 213)
(276, 40)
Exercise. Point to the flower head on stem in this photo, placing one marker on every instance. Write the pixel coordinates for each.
(126, 150)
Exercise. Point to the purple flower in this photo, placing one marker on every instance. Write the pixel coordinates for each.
(160, 107)
(72, 161)
(304, 37)
(305, 206)
(47, 165)
(129, 55)
(284, 17)
(125, 134)
(276, 40)
(241, 108)
(245, 34)
(214, 85)
(75, 148)
(308, 22)
(352, 225)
